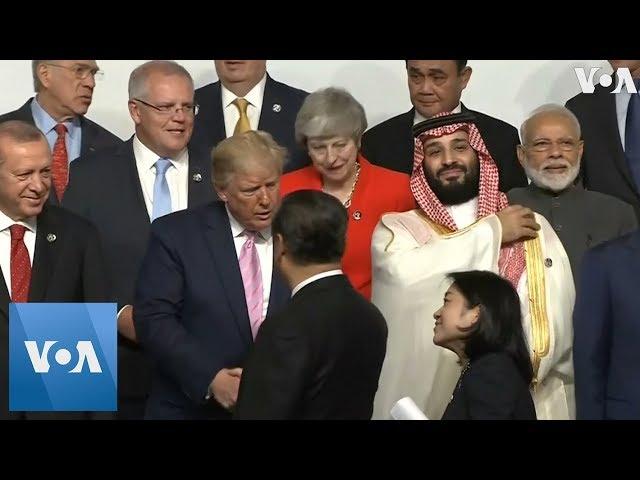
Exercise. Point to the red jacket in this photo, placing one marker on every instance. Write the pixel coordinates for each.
(378, 191)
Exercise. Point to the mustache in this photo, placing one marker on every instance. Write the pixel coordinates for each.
(455, 166)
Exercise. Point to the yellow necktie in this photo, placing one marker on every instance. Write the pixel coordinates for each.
(243, 124)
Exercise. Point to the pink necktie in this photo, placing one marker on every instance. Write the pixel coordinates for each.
(252, 280)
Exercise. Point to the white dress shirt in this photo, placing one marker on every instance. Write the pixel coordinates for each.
(464, 214)
(264, 245)
(177, 176)
(5, 244)
(417, 118)
(231, 113)
(314, 278)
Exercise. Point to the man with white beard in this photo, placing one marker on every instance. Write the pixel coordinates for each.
(550, 154)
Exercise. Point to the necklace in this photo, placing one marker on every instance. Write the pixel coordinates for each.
(347, 202)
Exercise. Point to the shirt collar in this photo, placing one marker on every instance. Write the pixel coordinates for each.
(148, 158)
(314, 278)
(420, 118)
(237, 229)
(6, 222)
(254, 97)
(46, 122)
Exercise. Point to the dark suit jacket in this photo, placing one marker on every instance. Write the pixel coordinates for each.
(604, 165)
(69, 269)
(491, 389)
(390, 145)
(319, 358)
(580, 218)
(94, 137)
(606, 325)
(209, 127)
(105, 188)
(190, 310)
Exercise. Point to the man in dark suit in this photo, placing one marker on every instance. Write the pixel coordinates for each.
(611, 132)
(435, 86)
(64, 89)
(46, 253)
(550, 154)
(121, 191)
(320, 357)
(207, 282)
(246, 97)
(606, 326)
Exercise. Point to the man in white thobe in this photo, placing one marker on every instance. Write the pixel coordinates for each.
(464, 223)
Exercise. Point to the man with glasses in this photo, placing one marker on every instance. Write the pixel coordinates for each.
(551, 155)
(123, 190)
(64, 90)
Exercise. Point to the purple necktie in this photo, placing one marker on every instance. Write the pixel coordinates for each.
(252, 280)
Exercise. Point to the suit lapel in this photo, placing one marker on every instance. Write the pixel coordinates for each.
(199, 189)
(272, 105)
(87, 138)
(608, 120)
(138, 208)
(48, 238)
(409, 143)
(5, 299)
(216, 116)
(219, 241)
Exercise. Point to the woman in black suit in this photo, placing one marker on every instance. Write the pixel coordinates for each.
(480, 321)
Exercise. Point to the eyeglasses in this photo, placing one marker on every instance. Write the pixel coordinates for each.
(188, 109)
(81, 71)
(546, 145)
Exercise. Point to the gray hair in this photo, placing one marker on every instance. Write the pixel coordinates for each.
(37, 84)
(20, 132)
(138, 87)
(233, 153)
(328, 113)
(553, 108)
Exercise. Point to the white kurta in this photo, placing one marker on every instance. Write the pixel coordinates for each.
(410, 263)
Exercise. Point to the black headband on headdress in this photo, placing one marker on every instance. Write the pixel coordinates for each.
(442, 121)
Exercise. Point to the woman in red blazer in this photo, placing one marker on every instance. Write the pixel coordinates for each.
(330, 125)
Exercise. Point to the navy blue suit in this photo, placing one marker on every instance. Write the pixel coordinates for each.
(280, 107)
(190, 310)
(606, 350)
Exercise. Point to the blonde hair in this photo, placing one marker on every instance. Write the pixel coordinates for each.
(228, 157)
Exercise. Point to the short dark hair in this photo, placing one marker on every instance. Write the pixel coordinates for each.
(459, 63)
(499, 326)
(313, 226)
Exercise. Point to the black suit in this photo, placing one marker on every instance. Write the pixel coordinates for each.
(69, 269)
(105, 188)
(390, 145)
(280, 106)
(492, 388)
(93, 138)
(604, 165)
(319, 358)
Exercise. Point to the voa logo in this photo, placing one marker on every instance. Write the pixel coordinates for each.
(40, 357)
(623, 75)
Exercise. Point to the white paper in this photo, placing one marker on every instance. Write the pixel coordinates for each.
(406, 409)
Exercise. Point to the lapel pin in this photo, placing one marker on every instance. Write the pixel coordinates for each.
(51, 237)
(197, 177)
(357, 215)
(276, 107)
(548, 262)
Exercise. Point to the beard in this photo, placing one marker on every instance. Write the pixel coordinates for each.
(458, 192)
(556, 182)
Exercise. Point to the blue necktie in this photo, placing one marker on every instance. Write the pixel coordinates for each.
(161, 193)
(632, 135)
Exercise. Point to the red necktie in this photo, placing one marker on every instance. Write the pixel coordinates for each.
(20, 265)
(60, 164)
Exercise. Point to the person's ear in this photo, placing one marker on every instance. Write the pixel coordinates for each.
(522, 156)
(473, 315)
